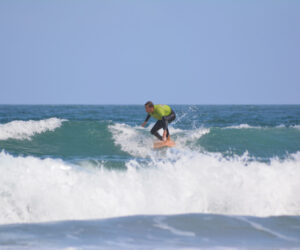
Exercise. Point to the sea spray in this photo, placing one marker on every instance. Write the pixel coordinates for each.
(34, 190)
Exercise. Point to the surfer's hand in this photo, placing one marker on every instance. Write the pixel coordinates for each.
(143, 124)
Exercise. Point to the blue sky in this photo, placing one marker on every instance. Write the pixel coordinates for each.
(128, 52)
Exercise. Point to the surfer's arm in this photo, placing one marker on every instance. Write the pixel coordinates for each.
(146, 120)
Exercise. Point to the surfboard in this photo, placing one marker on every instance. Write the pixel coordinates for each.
(161, 144)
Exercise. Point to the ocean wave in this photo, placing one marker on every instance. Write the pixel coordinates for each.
(242, 126)
(137, 142)
(131, 139)
(26, 129)
(247, 126)
(180, 181)
(184, 231)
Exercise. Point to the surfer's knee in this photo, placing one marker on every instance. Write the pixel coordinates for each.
(152, 131)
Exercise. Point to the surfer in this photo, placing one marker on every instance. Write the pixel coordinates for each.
(164, 114)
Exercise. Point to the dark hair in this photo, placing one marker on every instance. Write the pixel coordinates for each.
(149, 104)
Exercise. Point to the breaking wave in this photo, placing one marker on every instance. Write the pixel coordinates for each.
(26, 129)
(178, 181)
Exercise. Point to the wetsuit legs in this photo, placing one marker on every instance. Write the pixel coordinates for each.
(158, 125)
(163, 123)
(166, 120)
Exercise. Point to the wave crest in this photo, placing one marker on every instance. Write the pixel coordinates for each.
(34, 190)
(26, 129)
(138, 142)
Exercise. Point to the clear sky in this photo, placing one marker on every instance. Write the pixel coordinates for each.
(168, 51)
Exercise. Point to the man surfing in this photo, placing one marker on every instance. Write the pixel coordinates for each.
(164, 114)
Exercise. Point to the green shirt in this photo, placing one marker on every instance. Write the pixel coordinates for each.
(160, 111)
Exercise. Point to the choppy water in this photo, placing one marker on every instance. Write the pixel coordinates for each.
(87, 177)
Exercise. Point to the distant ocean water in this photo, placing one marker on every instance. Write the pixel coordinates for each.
(86, 177)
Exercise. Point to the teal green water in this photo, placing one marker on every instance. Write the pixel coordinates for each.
(261, 143)
(262, 131)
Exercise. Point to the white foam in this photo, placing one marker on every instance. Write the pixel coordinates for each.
(26, 129)
(247, 126)
(137, 141)
(132, 140)
(242, 126)
(191, 136)
(181, 181)
(281, 126)
(288, 126)
(296, 126)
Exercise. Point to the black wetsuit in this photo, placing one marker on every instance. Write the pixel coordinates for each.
(163, 123)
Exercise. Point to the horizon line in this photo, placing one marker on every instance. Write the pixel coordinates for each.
(138, 104)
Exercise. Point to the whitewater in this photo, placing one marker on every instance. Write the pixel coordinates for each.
(26, 129)
(35, 190)
(66, 170)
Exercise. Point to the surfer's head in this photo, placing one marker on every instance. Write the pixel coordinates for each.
(149, 107)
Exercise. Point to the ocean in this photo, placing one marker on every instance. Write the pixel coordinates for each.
(87, 177)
